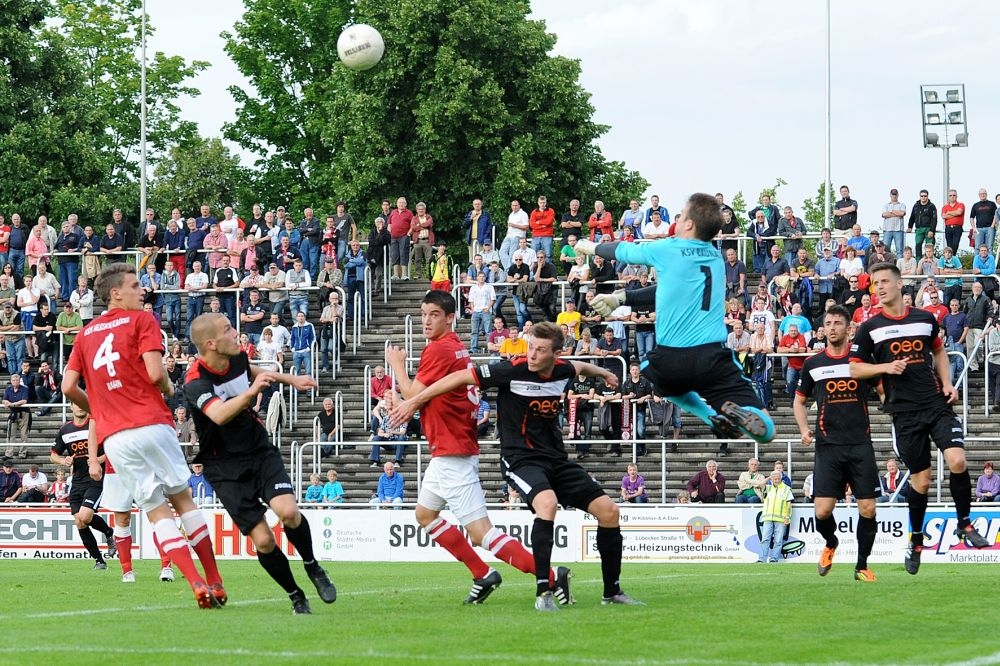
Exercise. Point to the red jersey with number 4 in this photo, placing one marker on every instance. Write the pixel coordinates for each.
(108, 354)
(449, 420)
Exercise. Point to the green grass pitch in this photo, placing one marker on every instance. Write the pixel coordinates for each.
(63, 612)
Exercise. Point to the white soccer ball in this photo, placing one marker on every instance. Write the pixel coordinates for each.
(360, 47)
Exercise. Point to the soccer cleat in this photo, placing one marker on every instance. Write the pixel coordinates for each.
(167, 575)
(219, 593)
(561, 590)
(324, 586)
(100, 566)
(621, 599)
(972, 537)
(546, 603)
(912, 558)
(483, 587)
(750, 421)
(112, 547)
(128, 577)
(203, 595)
(300, 605)
(826, 560)
(864, 575)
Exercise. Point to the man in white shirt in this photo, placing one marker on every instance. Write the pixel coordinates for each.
(34, 485)
(517, 227)
(481, 299)
(893, 214)
(196, 282)
(279, 333)
(655, 227)
(525, 252)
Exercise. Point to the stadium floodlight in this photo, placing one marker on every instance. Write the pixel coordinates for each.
(944, 122)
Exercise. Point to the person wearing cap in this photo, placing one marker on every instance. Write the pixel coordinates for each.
(478, 226)
(15, 397)
(274, 284)
(893, 214)
(880, 255)
(10, 482)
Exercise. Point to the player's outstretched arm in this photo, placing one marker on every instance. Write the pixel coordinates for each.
(403, 412)
(223, 410)
(591, 370)
(861, 370)
(299, 382)
(802, 419)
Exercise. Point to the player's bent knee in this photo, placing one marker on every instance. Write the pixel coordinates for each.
(545, 505)
(866, 508)
(263, 538)
(605, 511)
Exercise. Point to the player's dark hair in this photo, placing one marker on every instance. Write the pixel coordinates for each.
(704, 211)
(885, 266)
(442, 299)
(547, 330)
(838, 311)
(111, 277)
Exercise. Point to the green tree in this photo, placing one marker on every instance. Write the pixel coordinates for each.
(813, 210)
(103, 38)
(467, 102)
(772, 191)
(47, 137)
(197, 172)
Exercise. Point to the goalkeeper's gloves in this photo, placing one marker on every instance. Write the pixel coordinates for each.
(605, 304)
(585, 247)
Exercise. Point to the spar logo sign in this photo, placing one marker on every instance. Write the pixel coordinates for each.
(940, 526)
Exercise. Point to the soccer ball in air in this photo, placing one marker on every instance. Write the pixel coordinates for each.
(360, 46)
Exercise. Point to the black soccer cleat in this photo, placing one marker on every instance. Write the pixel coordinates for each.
(300, 605)
(972, 537)
(324, 586)
(112, 546)
(483, 587)
(561, 590)
(912, 558)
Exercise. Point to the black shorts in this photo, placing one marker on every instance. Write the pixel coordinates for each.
(837, 465)
(709, 370)
(245, 485)
(85, 493)
(570, 482)
(912, 432)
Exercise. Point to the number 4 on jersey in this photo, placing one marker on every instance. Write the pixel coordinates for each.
(106, 355)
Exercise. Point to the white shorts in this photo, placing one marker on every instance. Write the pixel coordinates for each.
(116, 496)
(149, 462)
(453, 481)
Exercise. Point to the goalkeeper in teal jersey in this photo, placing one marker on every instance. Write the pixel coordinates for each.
(691, 364)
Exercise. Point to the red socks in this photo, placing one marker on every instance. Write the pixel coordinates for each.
(451, 539)
(510, 550)
(197, 535)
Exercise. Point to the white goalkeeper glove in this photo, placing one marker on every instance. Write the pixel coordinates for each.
(585, 247)
(605, 304)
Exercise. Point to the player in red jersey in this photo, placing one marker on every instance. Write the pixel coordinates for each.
(452, 477)
(119, 355)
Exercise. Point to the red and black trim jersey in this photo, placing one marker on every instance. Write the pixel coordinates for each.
(841, 401)
(914, 336)
(245, 434)
(71, 440)
(528, 406)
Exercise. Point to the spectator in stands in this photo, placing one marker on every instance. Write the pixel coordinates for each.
(609, 415)
(184, 427)
(985, 264)
(378, 249)
(382, 431)
(333, 491)
(639, 391)
(269, 350)
(281, 334)
(544, 277)
(751, 484)
(582, 390)
(853, 296)
(274, 284)
(314, 492)
(14, 345)
(15, 397)
(303, 335)
(483, 424)
(779, 466)
(59, 490)
(497, 335)
(518, 276)
(247, 347)
(390, 489)
(578, 277)
(739, 340)
(329, 332)
(956, 330)
(937, 308)
(892, 481)
(988, 485)
(730, 231)
(201, 490)
(34, 485)
(216, 246)
(603, 275)
(47, 387)
(10, 481)
(36, 250)
(170, 283)
(950, 266)
(881, 255)
(44, 326)
(380, 383)
(196, 285)
(287, 253)
(422, 240)
(792, 229)
(478, 226)
(923, 217)
(252, 317)
(587, 345)
(633, 486)
(354, 277)
(399, 222)
(481, 299)
(926, 292)
(298, 281)
(793, 343)
(514, 346)
(808, 494)
(776, 516)
(708, 485)
(327, 419)
(775, 265)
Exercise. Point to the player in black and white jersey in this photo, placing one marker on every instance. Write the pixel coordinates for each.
(532, 452)
(70, 449)
(902, 345)
(842, 434)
